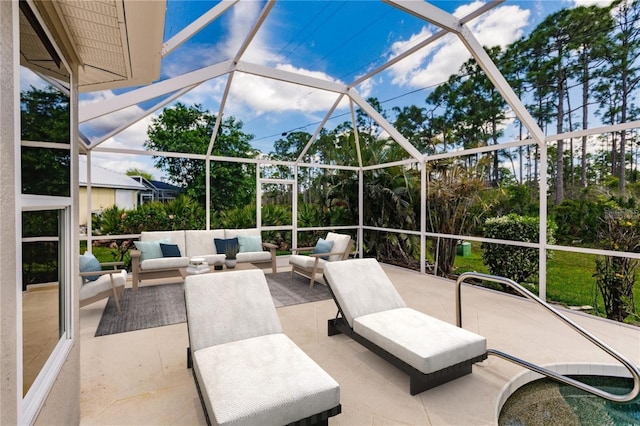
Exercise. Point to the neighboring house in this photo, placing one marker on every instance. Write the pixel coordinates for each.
(156, 190)
(107, 188)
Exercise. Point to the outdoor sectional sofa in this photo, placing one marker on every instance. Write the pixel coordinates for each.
(147, 263)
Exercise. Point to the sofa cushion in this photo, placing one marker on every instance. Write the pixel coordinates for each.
(340, 244)
(164, 263)
(249, 243)
(265, 380)
(306, 262)
(102, 283)
(254, 256)
(200, 242)
(222, 244)
(323, 246)
(89, 263)
(246, 232)
(174, 237)
(170, 250)
(426, 343)
(150, 249)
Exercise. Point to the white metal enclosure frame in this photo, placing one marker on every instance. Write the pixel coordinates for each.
(176, 87)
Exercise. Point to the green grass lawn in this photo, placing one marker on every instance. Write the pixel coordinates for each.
(570, 279)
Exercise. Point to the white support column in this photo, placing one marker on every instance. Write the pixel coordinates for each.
(258, 198)
(10, 211)
(542, 269)
(423, 216)
(88, 206)
(361, 212)
(294, 213)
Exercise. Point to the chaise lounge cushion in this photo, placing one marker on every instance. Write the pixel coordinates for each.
(265, 380)
(376, 313)
(403, 332)
(252, 316)
(368, 291)
(247, 370)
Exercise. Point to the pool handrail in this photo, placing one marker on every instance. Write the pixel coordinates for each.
(633, 369)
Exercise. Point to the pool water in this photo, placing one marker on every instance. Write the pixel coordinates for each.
(546, 402)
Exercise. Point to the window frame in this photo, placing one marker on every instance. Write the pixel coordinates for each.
(30, 404)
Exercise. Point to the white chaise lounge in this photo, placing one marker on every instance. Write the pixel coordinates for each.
(372, 312)
(248, 372)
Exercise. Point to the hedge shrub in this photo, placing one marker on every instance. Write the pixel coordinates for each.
(517, 263)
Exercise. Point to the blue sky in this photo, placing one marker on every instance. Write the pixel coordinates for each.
(332, 40)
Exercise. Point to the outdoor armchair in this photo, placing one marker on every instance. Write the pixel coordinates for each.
(108, 283)
(330, 249)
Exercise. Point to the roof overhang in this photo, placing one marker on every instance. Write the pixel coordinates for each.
(115, 43)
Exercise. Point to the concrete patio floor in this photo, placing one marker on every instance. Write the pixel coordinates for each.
(140, 377)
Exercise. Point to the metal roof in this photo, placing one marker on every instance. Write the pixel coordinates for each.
(105, 178)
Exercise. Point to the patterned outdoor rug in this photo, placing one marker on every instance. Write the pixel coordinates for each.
(159, 305)
(287, 290)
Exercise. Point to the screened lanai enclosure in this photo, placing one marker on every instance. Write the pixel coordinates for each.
(526, 153)
(419, 128)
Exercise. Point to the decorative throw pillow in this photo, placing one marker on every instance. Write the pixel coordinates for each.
(170, 250)
(89, 263)
(150, 249)
(323, 246)
(250, 243)
(221, 244)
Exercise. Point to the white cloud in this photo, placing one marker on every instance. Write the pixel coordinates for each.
(251, 95)
(437, 61)
(121, 164)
